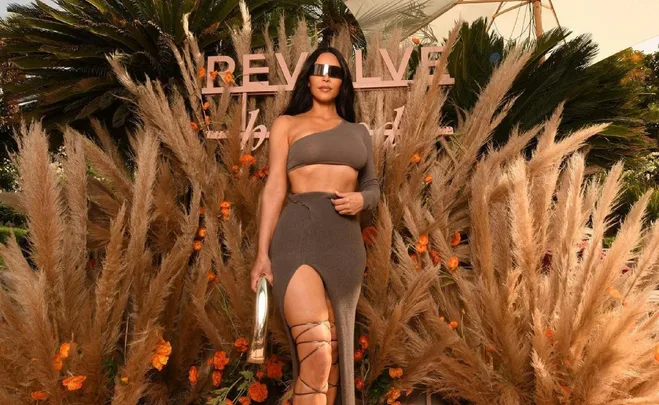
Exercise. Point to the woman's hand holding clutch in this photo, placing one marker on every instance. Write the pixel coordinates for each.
(262, 266)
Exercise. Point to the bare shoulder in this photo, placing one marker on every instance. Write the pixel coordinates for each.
(281, 126)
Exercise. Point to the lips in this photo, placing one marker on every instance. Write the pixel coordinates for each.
(325, 88)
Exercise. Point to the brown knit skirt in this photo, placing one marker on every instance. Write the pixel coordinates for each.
(310, 231)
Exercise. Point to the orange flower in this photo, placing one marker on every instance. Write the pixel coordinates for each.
(392, 395)
(427, 179)
(247, 159)
(235, 168)
(359, 383)
(423, 239)
(202, 210)
(225, 213)
(273, 367)
(123, 380)
(194, 125)
(489, 349)
(260, 374)
(420, 247)
(244, 400)
(395, 372)
(211, 276)
(441, 318)
(434, 255)
(74, 382)
(225, 204)
(163, 350)
(416, 158)
(207, 103)
(416, 41)
(201, 72)
(196, 245)
(213, 74)
(39, 395)
(64, 349)
(453, 324)
(217, 378)
(368, 234)
(415, 259)
(550, 334)
(453, 263)
(241, 344)
(220, 360)
(57, 361)
(201, 231)
(456, 239)
(359, 354)
(363, 341)
(260, 174)
(257, 391)
(228, 77)
(207, 119)
(193, 373)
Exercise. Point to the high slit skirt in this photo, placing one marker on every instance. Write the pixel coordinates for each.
(310, 231)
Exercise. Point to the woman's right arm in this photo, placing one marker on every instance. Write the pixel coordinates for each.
(273, 195)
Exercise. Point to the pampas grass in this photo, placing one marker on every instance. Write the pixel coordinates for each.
(487, 280)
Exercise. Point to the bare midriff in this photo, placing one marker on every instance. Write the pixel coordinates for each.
(323, 177)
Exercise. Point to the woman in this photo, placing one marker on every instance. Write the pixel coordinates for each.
(313, 254)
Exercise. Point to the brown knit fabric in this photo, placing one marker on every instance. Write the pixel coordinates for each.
(310, 231)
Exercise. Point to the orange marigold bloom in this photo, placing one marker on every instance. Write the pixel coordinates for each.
(359, 383)
(196, 245)
(235, 168)
(163, 350)
(453, 263)
(434, 255)
(206, 104)
(194, 125)
(225, 204)
(416, 41)
(453, 324)
(202, 210)
(202, 71)
(211, 276)
(217, 378)
(213, 74)
(396, 372)
(415, 259)
(359, 354)
(227, 401)
(257, 391)
(207, 119)
(273, 367)
(260, 374)
(193, 374)
(64, 349)
(363, 341)
(247, 159)
(392, 395)
(57, 361)
(455, 241)
(441, 318)
(74, 382)
(423, 239)
(228, 77)
(416, 158)
(39, 395)
(220, 360)
(241, 344)
(260, 174)
(427, 179)
(420, 247)
(244, 400)
(368, 234)
(201, 231)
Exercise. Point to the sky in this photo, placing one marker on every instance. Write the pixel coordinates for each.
(648, 46)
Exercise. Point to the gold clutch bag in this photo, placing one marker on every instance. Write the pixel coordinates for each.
(257, 348)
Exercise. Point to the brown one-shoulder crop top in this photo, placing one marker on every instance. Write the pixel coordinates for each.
(347, 143)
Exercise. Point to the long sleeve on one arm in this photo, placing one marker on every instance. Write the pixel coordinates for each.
(368, 182)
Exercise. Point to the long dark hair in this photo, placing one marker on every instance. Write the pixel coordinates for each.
(301, 100)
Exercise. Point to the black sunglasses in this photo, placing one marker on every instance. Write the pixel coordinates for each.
(325, 68)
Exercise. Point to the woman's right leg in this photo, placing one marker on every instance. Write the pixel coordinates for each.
(307, 316)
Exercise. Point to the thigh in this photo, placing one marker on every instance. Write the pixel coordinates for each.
(305, 297)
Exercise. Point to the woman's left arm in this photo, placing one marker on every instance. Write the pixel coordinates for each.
(369, 185)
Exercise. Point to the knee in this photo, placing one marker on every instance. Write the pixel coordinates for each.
(317, 366)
